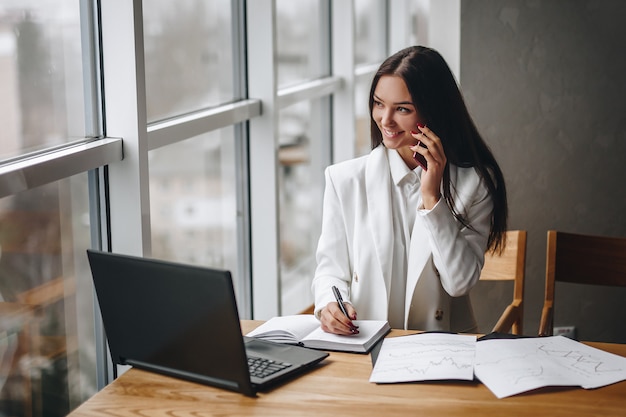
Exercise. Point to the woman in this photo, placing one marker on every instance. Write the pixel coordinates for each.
(402, 242)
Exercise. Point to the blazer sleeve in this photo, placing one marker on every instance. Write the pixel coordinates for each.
(459, 251)
(333, 264)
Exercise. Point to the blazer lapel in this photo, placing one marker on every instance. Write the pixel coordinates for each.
(419, 253)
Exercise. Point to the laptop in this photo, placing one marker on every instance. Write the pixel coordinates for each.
(182, 321)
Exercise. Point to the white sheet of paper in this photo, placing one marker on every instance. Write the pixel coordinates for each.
(511, 366)
(425, 356)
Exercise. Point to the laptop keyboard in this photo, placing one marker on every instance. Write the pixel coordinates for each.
(262, 367)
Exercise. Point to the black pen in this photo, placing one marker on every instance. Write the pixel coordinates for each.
(340, 301)
(342, 307)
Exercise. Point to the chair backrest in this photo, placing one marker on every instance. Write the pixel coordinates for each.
(510, 265)
(581, 259)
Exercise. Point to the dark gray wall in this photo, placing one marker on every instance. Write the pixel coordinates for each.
(546, 84)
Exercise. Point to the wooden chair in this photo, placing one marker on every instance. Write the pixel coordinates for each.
(309, 310)
(510, 265)
(581, 259)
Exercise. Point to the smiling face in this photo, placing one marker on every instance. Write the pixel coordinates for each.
(396, 116)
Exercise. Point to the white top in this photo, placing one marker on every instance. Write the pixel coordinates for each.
(405, 198)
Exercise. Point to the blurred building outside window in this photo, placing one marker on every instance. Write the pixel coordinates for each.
(47, 338)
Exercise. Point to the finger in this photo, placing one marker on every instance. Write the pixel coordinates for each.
(433, 143)
(428, 137)
(327, 320)
(334, 321)
(420, 154)
(351, 311)
(337, 327)
(426, 130)
(346, 322)
(419, 147)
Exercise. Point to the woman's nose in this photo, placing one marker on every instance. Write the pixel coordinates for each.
(386, 117)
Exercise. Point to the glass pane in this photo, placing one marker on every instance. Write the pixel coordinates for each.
(47, 345)
(362, 114)
(188, 56)
(302, 155)
(419, 15)
(302, 52)
(370, 31)
(193, 203)
(41, 83)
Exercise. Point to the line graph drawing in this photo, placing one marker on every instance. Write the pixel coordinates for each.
(422, 368)
(532, 353)
(584, 362)
(426, 356)
(509, 367)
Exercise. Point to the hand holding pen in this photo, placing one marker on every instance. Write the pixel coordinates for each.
(353, 329)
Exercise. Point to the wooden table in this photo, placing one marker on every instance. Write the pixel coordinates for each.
(339, 387)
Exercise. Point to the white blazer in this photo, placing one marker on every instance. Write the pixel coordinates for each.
(356, 243)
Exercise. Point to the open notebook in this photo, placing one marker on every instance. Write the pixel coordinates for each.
(182, 320)
(305, 330)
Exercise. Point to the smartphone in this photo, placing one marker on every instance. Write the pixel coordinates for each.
(419, 158)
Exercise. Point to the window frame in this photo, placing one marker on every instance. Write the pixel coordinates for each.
(120, 141)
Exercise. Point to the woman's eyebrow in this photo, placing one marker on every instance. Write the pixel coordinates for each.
(397, 103)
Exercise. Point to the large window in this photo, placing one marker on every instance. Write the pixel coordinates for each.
(195, 195)
(303, 48)
(48, 359)
(371, 31)
(304, 140)
(189, 56)
(47, 337)
(193, 202)
(195, 131)
(301, 41)
(41, 78)
(370, 50)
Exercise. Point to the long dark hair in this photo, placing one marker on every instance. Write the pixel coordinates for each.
(437, 97)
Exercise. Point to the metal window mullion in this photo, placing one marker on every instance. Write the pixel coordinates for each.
(94, 126)
(343, 62)
(240, 77)
(308, 91)
(263, 162)
(184, 127)
(89, 24)
(367, 70)
(98, 218)
(399, 25)
(320, 93)
(125, 116)
(29, 173)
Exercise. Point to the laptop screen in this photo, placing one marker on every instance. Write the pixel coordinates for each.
(171, 318)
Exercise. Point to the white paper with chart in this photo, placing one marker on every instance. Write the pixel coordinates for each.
(511, 366)
(425, 356)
